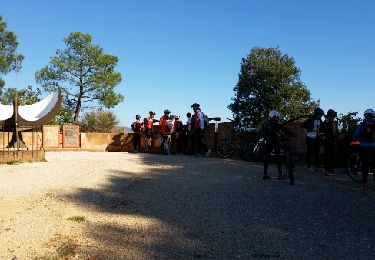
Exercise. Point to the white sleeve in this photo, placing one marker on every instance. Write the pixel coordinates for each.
(201, 120)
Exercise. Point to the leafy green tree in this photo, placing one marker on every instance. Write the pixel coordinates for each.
(85, 74)
(269, 80)
(99, 121)
(349, 122)
(26, 96)
(9, 59)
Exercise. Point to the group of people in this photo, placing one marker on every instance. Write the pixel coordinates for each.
(172, 130)
(321, 133)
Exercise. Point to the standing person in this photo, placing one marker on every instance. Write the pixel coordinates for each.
(137, 127)
(197, 124)
(168, 143)
(270, 130)
(312, 137)
(187, 138)
(163, 122)
(178, 130)
(329, 131)
(149, 130)
(365, 132)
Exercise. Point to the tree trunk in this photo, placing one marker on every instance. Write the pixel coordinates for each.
(79, 104)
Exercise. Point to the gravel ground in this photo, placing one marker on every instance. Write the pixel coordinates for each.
(82, 205)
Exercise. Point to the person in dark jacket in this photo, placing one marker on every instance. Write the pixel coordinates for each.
(329, 133)
(137, 127)
(313, 125)
(365, 133)
(271, 130)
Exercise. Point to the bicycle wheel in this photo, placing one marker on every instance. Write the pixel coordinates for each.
(225, 148)
(289, 165)
(354, 167)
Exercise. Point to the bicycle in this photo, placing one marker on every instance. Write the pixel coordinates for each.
(354, 165)
(249, 151)
(288, 158)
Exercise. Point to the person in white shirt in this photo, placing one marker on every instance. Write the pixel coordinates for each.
(313, 125)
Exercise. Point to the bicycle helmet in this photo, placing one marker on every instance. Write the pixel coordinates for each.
(177, 116)
(137, 117)
(369, 113)
(167, 111)
(274, 114)
(195, 105)
(152, 113)
(331, 112)
(318, 112)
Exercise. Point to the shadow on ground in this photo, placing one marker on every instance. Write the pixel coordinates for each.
(221, 209)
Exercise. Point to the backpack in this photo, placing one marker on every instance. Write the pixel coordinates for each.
(133, 126)
(368, 131)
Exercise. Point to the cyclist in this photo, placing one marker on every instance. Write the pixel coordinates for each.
(365, 132)
(271, 129)
(329, 133)
(312, 137)
(149, 124)
(137, 126)
(164, 131)
(197, 125)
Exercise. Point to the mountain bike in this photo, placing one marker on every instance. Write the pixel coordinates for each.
(249, 151)
(354, 165)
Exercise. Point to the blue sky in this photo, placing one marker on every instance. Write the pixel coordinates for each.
(174, 53)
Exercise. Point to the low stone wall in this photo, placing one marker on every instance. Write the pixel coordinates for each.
(113, 142)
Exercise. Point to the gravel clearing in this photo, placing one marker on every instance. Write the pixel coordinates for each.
(94, 205)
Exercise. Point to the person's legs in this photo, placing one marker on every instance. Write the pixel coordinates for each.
(364, 155)
(316, 152)
(266, 159)
(309, 150)
(328, 157)
(279, 159)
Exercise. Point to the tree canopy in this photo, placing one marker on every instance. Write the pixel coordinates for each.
(9, 59)
(269, 80)
(99, 121)
(26, 96)
(85, 74)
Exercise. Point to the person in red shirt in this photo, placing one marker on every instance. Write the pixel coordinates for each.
(164, 130)
(149, 124)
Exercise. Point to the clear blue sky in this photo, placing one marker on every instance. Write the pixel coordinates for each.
(174, 53)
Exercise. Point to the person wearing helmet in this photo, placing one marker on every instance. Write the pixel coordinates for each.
(188, 144)
(329, 133)
(271, 129)
(149, 125)
(164, 131)
(365, 133)
(178, 133)
(197, 128)
(312, 125)
(137, 127)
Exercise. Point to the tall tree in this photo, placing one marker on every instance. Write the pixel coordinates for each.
(269, 80)
(9, 59)
(85, 74)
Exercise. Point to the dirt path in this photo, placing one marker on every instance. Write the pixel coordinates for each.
(139, 206)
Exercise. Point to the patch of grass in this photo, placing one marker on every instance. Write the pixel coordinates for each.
(66, 249)
(13, 162)
(77, 218)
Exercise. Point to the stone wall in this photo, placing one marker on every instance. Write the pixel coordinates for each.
(124, 141)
